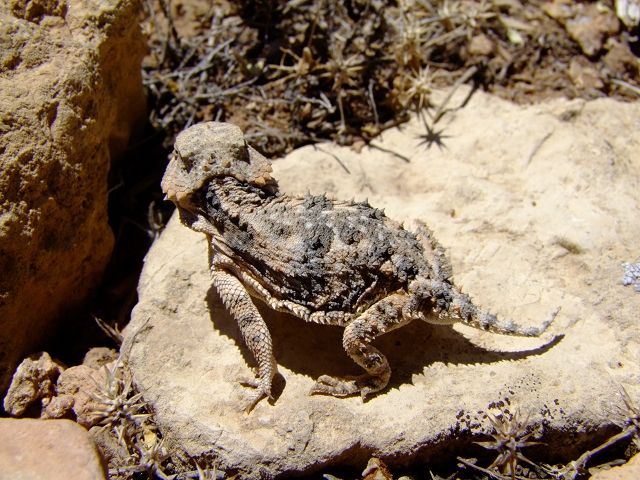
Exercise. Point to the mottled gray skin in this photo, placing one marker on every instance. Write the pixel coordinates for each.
(322, 260)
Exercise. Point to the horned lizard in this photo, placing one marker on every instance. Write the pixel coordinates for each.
(322, 260)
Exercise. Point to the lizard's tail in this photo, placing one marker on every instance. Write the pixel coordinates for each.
(466, 312)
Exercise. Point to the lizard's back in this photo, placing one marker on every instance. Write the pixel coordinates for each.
(322, 254)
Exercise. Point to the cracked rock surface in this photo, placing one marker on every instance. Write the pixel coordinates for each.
(537, 207)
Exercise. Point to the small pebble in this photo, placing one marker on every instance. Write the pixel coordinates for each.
(631, 275)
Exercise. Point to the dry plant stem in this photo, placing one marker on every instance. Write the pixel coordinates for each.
(110, 331)
(372, 102)
(440, 111)
(491, 473)
(537, 147)
(579, 465)
(632, 416)
(387, 150)
(172, 34)
(340, 162)
(621, 83)
(201, 474)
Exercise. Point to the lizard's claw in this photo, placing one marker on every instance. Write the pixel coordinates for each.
(261, 391)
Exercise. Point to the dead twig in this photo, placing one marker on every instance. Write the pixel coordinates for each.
(337, 159)
(537, 147)
(392, 152)
(440, 111)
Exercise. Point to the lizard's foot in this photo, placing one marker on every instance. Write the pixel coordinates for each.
(261, 391)
(365, 385)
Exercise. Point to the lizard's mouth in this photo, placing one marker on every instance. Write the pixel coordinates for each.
(181, 197)
(176, 185)
(184, 201)
(177, 197)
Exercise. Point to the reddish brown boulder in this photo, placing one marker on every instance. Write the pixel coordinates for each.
(70, 94)
(47, 450)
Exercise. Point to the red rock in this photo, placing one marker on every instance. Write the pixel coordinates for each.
(47, 450)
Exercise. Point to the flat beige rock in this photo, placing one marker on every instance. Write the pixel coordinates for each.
(537, 206)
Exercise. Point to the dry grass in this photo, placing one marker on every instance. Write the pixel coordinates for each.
(296, 72)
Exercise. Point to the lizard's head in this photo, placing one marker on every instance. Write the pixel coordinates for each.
(209, 150)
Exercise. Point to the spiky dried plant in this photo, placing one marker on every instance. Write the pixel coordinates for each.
(511, 435)
(116, 404)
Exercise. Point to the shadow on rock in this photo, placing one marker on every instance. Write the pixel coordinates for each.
(313, 350)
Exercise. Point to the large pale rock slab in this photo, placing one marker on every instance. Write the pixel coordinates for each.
(47, 450)
(70, 94)
(537, 206)
(628, 471)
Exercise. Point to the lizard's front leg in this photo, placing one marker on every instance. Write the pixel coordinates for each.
(253, 328)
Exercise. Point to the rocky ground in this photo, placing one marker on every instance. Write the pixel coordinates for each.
(515, 139)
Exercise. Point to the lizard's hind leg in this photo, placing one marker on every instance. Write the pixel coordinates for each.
(380, 318)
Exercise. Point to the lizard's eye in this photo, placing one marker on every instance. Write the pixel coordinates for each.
(184, 160)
